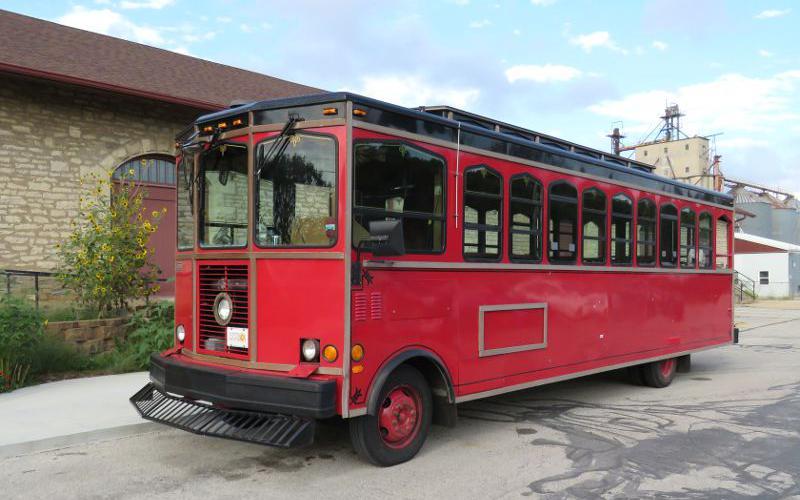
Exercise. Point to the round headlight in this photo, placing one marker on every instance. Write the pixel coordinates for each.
(180, 332)
(310, 349)
(223, 309)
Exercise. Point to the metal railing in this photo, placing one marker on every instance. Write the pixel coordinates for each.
(743, 286)
(9, 275)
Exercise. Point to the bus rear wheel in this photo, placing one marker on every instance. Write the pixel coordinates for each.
(401, 422)
(659, 373)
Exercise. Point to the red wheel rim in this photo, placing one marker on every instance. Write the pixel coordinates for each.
(399, 416)
(667, 366)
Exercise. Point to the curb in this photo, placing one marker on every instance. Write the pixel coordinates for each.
(66, 441)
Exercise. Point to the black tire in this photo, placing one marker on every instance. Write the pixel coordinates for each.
(635, 375)
(371, 440)
(659, 373)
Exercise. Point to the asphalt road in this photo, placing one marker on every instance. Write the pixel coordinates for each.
(728, 429)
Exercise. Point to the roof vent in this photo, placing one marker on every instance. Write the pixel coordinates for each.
(237, 103)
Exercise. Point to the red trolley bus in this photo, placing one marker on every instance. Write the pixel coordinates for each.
(341, 256)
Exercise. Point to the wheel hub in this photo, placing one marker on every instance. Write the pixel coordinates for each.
(667, 366)
(399, 416)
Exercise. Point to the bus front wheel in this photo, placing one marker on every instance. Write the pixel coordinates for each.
(659, 373)
(400, 425)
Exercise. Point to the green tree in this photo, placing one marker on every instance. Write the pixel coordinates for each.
(106, 260)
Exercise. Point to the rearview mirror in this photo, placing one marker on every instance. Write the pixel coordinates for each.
(386, 238)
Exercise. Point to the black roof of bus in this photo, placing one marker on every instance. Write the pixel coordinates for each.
(511, 134)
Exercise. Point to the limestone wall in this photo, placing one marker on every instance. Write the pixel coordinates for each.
(51, 135)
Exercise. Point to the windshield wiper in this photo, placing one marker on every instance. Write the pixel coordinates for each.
(279, 146)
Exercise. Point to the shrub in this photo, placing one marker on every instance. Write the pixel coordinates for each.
(106, 260)
(21, 333)
(150, 330)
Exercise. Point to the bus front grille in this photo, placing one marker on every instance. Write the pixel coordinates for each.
(216, 279)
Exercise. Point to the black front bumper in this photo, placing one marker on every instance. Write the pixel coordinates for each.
(235, 389)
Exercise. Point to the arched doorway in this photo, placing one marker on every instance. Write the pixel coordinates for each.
(157, 174)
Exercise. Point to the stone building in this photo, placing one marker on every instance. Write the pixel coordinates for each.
(74, 102)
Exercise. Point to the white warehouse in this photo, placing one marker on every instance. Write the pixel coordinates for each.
(773, 265)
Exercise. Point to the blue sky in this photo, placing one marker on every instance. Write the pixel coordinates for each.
(571, 68)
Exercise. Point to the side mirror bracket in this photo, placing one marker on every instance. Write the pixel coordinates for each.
(385, 240)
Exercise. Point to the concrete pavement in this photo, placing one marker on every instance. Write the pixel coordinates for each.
(68, 412)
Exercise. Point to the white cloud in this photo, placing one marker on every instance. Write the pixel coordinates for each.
(765, 53)
(770, 13)
(731, 103)
(659, 45)
(146, 4)
(416, 91)
(224, 19)
(547, 73)
(246, 28)
(740, 142)
(181, 50)
(516, 32)
(595, 39)
(543, 3)
(108, 22)
(480, 24)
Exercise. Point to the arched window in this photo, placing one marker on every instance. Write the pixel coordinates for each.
(688, 239)
(525, 219)
(621, 230)
(704, 240)
(148, 169)
(646, 233)
(723, 250)
(669, 235)
(594, 227)
(483, 199)
(563, 208)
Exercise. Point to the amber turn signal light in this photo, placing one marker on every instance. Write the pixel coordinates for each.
(330, 353)
(358, 368)
(357, 353)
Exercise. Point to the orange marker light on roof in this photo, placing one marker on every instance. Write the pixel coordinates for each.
(359, 112)
(208, 128)
(236, 122)
(222, 125)
(330, 111)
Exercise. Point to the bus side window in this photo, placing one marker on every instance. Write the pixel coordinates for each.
(704, 241)
(397, 181)
(563, 209)
(688, 239)
(525, 219)
(723, 245)
(483, 199)
(646, 233)
(621, 230)
(594, 227)
(668, 230)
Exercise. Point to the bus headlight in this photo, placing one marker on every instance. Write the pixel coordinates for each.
(223, 309)
(310, 349)
(180, 332)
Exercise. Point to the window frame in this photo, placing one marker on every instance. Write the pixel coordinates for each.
(763, 277)
(688, 247)
(728, 242)
(575, 201)
(511, 230)
(710, 247)
(195, 237)
(354, 209)
(675, 236)
(201, 200)
(654, 224)
(256, 182)
(603, 233)
(613, 239)
(481, 227)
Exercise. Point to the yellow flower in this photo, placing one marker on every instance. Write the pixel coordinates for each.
(155, 213)
(131, 171)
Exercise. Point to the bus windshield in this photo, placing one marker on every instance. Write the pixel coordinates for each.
(296, 203)
(223, 209)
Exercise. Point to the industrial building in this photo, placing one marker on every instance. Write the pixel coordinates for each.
(773, 266)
